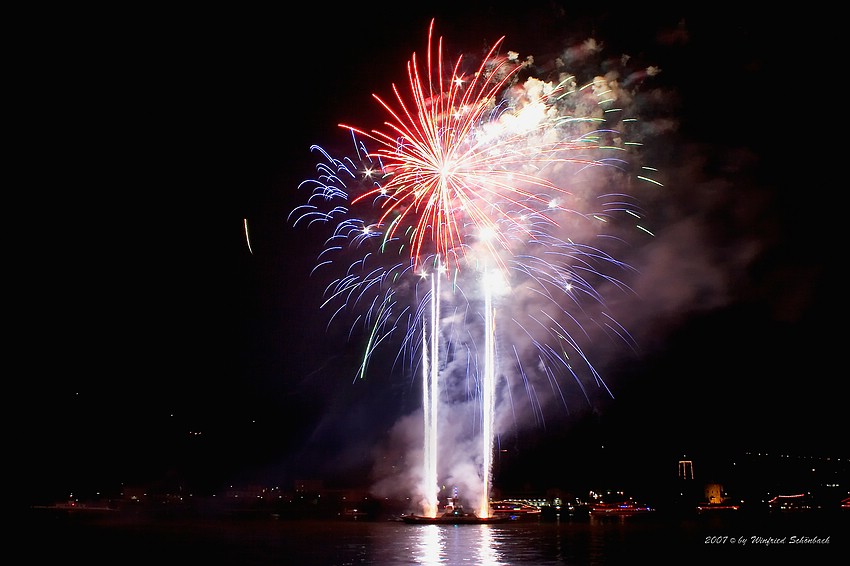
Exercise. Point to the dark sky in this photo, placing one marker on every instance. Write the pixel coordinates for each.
(158, 347)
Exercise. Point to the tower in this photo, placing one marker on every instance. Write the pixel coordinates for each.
(686, 470)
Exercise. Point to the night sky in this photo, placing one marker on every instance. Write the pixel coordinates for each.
(157, 347)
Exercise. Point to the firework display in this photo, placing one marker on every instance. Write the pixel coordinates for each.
(474, 235)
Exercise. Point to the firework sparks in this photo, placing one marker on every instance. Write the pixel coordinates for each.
(459, 146)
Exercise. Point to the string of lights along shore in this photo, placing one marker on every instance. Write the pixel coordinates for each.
(474, 234)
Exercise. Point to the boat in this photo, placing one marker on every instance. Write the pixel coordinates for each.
(716, 507)
(622, 509)
(791, 503)
(454, 514)
(514, 509)
(353, 513)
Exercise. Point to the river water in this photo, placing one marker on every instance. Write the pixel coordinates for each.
(117, 540)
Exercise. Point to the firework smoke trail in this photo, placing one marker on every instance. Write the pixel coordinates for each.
(429, 450)
(481, 172)
(488, 394)
(430, 386)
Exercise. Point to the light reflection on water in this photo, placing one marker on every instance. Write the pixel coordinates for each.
(489, 554)
(263, 542)
(453, 544)
(427, 545)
